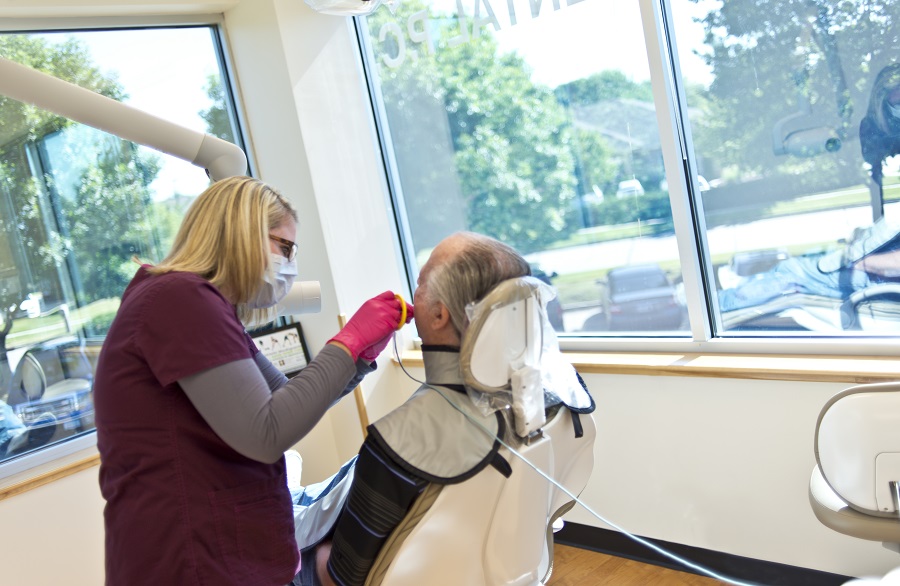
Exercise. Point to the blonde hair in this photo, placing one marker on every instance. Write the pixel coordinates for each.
(224, 238)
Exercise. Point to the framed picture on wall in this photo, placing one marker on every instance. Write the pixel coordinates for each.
(284, 346)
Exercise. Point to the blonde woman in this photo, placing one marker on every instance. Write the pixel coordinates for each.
(192, 420)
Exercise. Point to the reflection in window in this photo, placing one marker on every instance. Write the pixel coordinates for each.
(533, 123)
(794, 128)
(79, 207)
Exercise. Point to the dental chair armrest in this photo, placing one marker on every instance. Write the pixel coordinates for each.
(850, 306)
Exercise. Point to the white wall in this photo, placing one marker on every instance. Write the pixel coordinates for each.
(714, 463)
(719, 464)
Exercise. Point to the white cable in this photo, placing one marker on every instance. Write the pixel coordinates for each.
(640, 540)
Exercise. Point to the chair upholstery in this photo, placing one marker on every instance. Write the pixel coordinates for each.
(492, 530)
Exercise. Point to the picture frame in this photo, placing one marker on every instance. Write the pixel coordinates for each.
(284, 346)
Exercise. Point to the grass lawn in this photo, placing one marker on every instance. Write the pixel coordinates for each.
(573, 288)
(582, 287)
(29, 331)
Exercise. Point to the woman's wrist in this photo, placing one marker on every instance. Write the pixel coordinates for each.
(342, 347)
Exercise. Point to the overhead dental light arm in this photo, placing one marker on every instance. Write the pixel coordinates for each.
(220, 158)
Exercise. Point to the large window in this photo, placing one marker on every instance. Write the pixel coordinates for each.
(542, 124)
(795, 135)
(80, 208)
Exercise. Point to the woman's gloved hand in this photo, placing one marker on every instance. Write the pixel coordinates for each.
(372, 324)
(375, 350)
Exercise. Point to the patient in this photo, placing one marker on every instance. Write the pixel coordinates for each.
(10, 427)
(871, 257)
(462, 269)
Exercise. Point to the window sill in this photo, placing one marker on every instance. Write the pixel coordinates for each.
(837, 369)
(808, 368)
(49, 472)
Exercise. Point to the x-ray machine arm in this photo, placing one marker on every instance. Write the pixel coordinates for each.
(220, 158)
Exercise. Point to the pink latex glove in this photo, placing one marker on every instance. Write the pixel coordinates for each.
(375, 350)
(372, 324)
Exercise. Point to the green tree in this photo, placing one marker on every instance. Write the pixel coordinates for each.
(773, 58)
(606, 85)
(218, 122)
(607, 98)
(475, 139)
(106, 242)
(70, 216)
(69, 60)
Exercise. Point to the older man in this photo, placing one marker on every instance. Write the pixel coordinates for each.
(406, 450)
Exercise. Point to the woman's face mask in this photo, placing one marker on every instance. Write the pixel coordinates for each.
(894, 110)
(277, 281)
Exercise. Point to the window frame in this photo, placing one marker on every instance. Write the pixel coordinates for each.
(687, 212)
(54, 454)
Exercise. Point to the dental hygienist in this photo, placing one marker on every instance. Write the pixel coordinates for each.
(879, 130)
(192, 420)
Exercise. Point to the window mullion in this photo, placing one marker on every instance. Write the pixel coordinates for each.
(675, 145)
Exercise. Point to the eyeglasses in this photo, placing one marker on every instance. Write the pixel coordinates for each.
(288, 248)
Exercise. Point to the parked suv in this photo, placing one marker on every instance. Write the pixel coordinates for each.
(641, 297)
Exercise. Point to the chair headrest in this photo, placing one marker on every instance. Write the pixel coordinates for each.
(504, 334)
(509, 356)
(857, 446)
(500, 353)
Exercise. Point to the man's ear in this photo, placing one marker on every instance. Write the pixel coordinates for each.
(441, 317)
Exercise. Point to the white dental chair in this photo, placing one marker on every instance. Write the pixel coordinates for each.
(492, 530)
(854, 485)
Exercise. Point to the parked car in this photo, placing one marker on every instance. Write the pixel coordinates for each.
(641, 297)
(554, 308)
(630, 187)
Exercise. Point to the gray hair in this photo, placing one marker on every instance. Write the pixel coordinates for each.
(480, 264)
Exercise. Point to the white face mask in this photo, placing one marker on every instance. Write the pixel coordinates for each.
(894, 109)
(277, 281)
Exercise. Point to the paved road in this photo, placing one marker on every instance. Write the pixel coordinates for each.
(826, 226)
(830, 225)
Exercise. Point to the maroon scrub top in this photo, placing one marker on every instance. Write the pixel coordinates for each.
(182, 507)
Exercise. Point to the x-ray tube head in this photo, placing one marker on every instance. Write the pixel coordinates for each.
(304, 297)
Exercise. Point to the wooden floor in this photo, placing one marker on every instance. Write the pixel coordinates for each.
(573, 566)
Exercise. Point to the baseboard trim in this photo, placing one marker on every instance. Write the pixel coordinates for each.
(725, 564)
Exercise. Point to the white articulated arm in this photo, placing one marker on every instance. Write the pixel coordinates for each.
(220, 158)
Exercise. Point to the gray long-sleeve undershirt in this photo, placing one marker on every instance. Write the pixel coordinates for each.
(258, 412)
